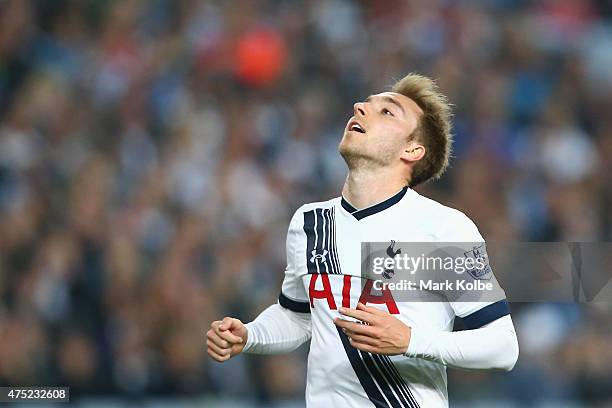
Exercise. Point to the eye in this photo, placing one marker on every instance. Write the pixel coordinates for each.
(386, 111)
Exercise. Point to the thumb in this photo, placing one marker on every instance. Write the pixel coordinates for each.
(226, 324)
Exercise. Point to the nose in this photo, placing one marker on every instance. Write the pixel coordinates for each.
(359, 108)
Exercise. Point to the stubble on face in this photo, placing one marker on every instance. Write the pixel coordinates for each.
(361, 156)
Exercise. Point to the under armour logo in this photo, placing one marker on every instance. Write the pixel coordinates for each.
(320, 257)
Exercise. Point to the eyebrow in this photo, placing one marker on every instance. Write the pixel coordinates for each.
(388, 99)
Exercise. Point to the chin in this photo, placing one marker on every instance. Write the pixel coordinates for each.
(347, 148)
(351, 153)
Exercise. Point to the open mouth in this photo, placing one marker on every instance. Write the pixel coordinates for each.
(356, 127)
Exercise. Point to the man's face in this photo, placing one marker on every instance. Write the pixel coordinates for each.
(379, 131)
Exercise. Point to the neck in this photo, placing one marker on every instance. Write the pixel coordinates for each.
(363, 189)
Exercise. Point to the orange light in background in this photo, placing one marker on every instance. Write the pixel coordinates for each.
(260, 56)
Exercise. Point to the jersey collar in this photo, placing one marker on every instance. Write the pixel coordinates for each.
(376, 208)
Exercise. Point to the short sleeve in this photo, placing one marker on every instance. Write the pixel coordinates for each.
(293, 294)
(467, 306)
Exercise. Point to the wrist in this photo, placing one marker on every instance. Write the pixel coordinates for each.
(248, 338)
(407, 341)
(420, 342)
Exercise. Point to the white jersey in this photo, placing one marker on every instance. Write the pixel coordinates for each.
(323, 274)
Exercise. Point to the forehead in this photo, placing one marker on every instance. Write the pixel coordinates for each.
(408, 104)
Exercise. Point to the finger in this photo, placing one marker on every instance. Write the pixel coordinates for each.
(216, 356)
(226, 334)
(372, 310)
(219, 350)
(228, 323)
(215, 338)
(364, 347)
(355, 328)
(358, 314)
(362, 339)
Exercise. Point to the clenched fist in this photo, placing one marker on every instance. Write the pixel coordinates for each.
(226, 338)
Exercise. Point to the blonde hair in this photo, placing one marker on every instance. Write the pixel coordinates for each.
(434, 128)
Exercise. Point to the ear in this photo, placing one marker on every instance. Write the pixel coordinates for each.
(413, 152)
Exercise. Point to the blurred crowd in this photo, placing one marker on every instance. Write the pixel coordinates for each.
(153, 152)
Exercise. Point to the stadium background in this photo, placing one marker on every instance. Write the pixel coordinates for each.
(152, 153)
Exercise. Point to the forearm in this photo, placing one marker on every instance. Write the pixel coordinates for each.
(277, 330)
(493, 346)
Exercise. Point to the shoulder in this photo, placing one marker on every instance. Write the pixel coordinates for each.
(319, 204)
(450, 223)
(298, 216)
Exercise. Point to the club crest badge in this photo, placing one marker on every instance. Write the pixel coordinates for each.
(391, 253)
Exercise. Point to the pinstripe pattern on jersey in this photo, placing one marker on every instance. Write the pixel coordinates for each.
(379, 378)
(321, 248)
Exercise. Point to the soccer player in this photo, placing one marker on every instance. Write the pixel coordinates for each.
(367, 348)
